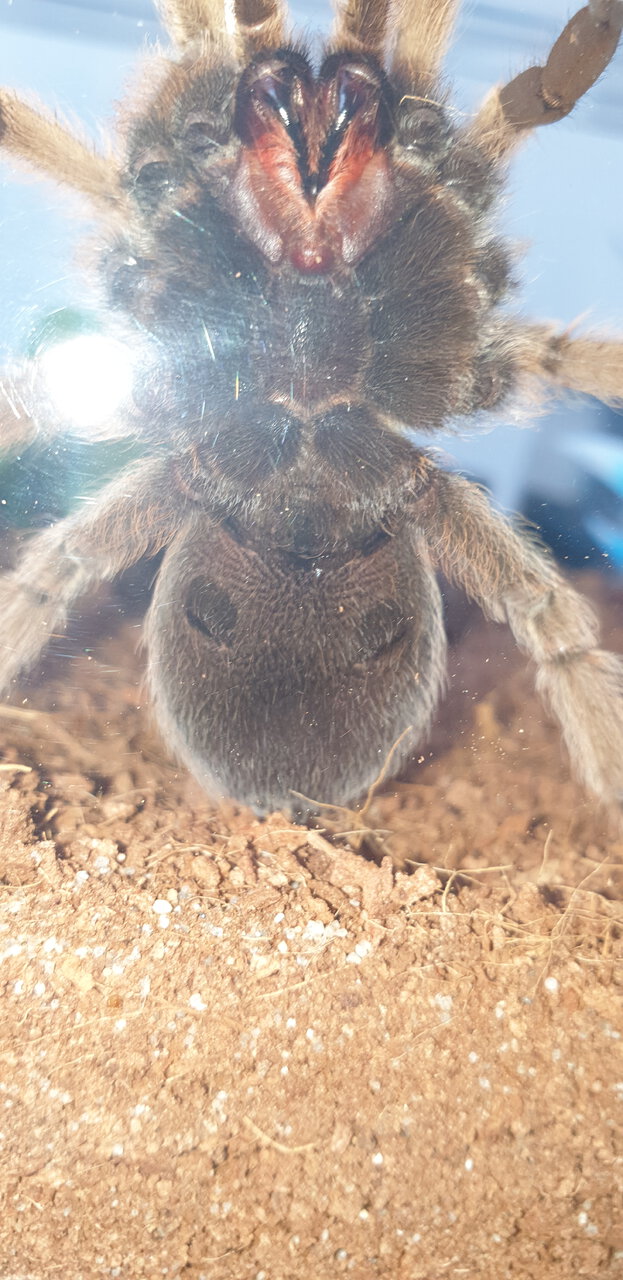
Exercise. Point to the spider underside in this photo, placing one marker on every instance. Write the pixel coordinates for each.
(304, 263)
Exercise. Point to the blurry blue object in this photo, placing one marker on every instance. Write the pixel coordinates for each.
(609, 537)
(601, 456)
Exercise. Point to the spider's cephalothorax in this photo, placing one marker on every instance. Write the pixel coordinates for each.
(304, 264)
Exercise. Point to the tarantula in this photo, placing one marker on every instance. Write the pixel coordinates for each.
(303, 263)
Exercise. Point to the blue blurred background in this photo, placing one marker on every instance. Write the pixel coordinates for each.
(564, 204)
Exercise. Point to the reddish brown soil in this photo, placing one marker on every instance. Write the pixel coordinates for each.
(242, 1050)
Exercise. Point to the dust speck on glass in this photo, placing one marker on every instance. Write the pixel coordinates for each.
(291, 339)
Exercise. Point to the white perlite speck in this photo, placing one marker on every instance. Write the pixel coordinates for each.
(313, 929)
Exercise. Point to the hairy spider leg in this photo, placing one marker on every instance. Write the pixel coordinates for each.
(246, 25)
(56, 152)
(588, 364)
(189, 20)
(422, 33)
(137, 514)
(514, 581)
(261, 25)
(544, 94)
(362, 26)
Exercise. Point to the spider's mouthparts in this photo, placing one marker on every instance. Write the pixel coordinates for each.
(311, 185)
(313, 182)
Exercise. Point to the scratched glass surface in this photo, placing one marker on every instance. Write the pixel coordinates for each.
(563, 204)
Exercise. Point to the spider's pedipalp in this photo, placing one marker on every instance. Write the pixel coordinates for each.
(189, 20)
(361, 25)
(544, 94)
(421, 32)
(57, 153)
(260, 25)
(254, 24)
(590, 365)
(135, 515)
(514, 581)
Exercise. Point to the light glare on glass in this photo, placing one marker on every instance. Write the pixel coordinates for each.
(88, 378)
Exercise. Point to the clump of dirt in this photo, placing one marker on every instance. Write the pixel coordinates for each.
(235, 1049)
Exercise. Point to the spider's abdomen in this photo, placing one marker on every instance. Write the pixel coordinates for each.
(342, 648)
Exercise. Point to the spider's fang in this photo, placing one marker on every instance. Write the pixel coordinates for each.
(313, 183)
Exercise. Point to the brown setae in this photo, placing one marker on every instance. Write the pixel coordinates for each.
(303, 264)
